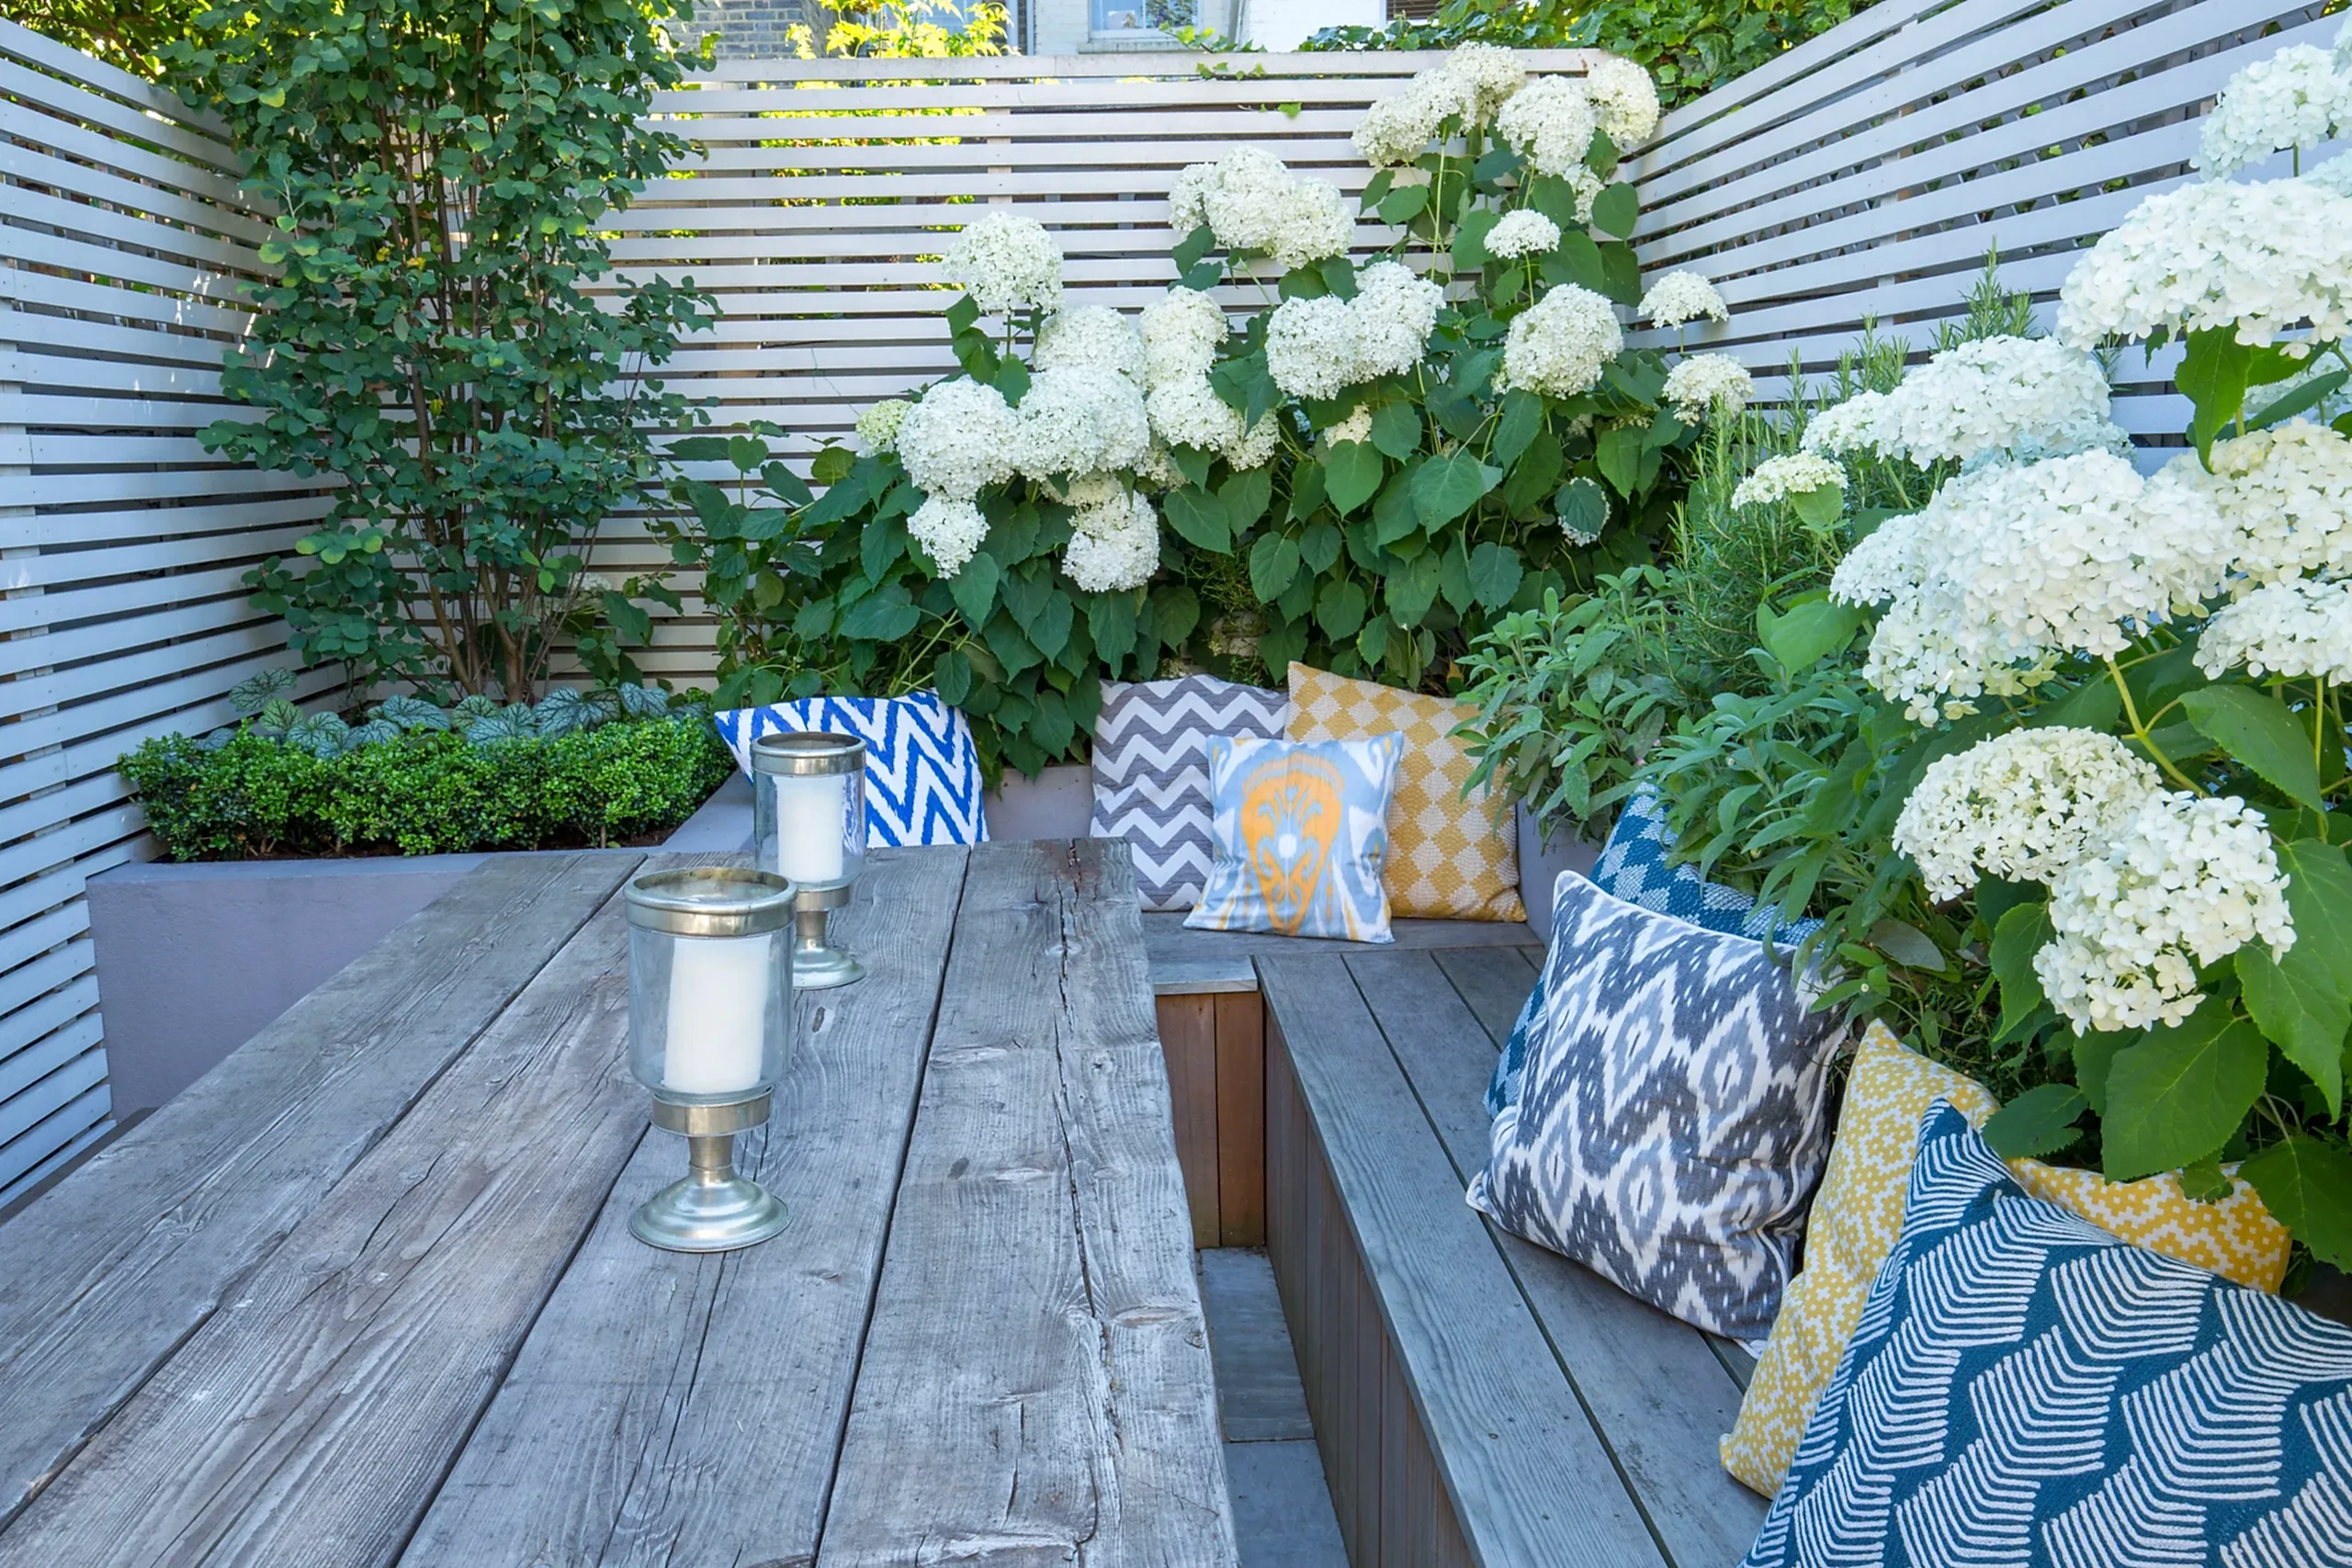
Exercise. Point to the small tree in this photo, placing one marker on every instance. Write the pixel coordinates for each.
(442, 171)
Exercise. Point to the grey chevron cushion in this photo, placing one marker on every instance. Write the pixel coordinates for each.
(1151, 773)
(1670, 1123)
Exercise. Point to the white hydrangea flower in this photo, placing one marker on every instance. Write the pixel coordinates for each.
(1114, 543)
(2294, 628)
(1254, 446)
(1398, 129)
(1357, 426)
(1157, 472)
(1090, 337)
(1487, 76)
(2185, 881)
(2023, 806)
(1006, 262)
(1311, 346)
(1585, 186)
(1861, 423)
(2024, 398)
(2013, 565)
(877, 427)
(1079, 422)
(1624, 101)
(1797, 473)
(1708, 383)
(1252, 201)
(2296, 98)
(2286, 495)
(2261, 258)
(950, 530)
(1522, 233)
(1188, 413)
(1550, 122)
(957, 440)
(1681, 297)
(1394, 310)
(1181, 330)
(1558, 346)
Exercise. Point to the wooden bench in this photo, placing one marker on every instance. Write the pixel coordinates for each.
(1476, 1399)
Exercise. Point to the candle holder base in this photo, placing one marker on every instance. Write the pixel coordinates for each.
(817, 964)
(714, 1208)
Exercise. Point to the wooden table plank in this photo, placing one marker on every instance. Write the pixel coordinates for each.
(669, 1408)
(312, 1419)
(1036, 1386)
(1657, 1391)
(1531, 1480)
(105, 1275)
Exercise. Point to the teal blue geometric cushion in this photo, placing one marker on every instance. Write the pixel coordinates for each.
(1632, 867)
(1299, 831)
(2026, 1390)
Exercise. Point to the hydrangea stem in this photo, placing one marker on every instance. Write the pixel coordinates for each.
(2140, 731)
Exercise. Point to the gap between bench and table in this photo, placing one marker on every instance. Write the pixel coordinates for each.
(1391, 1051)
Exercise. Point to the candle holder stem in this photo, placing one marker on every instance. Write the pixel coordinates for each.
(714, 1208)
(815, 963)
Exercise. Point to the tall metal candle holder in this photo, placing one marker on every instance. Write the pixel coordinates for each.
(808, 817)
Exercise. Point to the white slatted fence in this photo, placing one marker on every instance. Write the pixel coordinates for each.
(1864, 174)
(121, 542)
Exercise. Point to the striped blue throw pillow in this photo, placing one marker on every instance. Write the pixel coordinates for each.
(922, 773)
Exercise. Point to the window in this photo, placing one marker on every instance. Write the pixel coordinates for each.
(1133, 15)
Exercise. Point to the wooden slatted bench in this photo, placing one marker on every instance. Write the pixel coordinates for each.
(1476, 1399)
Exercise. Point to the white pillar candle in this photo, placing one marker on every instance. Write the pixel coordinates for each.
(718, 1013)
(810, 809)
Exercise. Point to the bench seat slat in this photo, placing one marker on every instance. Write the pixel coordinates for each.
(1529, 1479)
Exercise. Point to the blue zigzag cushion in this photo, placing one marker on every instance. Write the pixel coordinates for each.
(2025, 1391)
(1670, 1123)
(922, 773)
(1632, 867)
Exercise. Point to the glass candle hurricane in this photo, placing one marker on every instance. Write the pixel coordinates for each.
(809, 824)
(710, 1035)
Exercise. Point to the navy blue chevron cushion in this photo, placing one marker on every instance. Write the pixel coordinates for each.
(922, 773)
(2026, 1390)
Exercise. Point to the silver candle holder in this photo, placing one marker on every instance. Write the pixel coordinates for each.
(710, 1033)
(809, 820)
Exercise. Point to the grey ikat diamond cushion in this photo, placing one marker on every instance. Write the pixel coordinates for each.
(1151, 773)
(1670, 1124)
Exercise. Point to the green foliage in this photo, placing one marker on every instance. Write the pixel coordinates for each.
(132, 34)
(425, 790)
(1688, 45)
(429, 337)
(904, 29)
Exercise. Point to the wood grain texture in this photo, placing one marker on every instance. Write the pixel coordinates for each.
(1188, 1040)
(1241, 1120)
(313, 1418)
(1657, 1389)
(669, 1408)
(1037, 1385)
(107, 1274)
(1529, 1479)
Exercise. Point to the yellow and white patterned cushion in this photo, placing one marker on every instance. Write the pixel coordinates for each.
(1448, 858)
(1858, 1212)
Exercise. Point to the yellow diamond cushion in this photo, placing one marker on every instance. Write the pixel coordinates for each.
(1448, 858)
(1859, 1210)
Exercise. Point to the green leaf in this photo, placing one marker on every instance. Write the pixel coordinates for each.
(1412, 588)
(2180, 1093)
(1050, 630)
(1401, 206)
(1273, 562)
(1245, 497)
(1110, 617)
(974, 589)
(1445, 488)
(2308, 396)
(1372, 641)
(1618, 449)
(1522, 417)
(1909, 946)
(1819, 508)
(2212, 375)
(2304, 1015)
(1199, 518)
(2258, 730)
(1339, 610)
(1582, 508)
(1470, 240)
(879, 618)
(1454, 577)
(2023, 931)
(2095, 1055)
(951, 677)
(1616, 210)
(1352, 473)
(1193, 247)
(2039, 1121)
(1176, 611)
(1495, 574)
(1808, 632)
(1396, 430)
(1318, 547)
(2306, 1182)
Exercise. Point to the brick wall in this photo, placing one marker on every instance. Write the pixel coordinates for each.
(756, 27)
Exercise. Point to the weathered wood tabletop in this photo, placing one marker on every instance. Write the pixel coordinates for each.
(365, 1293)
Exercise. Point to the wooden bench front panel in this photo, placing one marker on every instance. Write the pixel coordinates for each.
(1215, 1045)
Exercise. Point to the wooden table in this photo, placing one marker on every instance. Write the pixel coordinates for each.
(365, 1293)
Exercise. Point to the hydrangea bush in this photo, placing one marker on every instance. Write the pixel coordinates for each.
(1362, 464)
